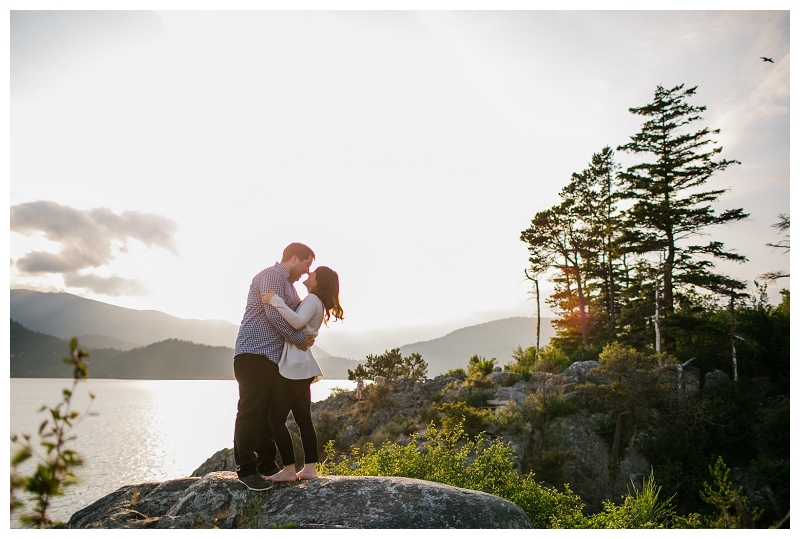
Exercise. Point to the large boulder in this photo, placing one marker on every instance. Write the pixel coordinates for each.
(218, 500)
(514, 393)
(583, 371)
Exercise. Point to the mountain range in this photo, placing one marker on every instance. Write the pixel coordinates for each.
(66, 315)
(132, 344)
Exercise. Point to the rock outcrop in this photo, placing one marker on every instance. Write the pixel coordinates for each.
(218, 500)
(590, 473)
(221, 461)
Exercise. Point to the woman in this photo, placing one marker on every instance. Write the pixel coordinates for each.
(298, 370)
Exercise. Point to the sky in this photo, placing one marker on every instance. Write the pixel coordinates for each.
(160, 159)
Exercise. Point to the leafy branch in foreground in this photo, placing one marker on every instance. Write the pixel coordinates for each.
(56, 461)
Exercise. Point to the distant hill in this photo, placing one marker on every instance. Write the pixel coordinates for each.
(37, 355)
(66, 315)
(108, 329)
(493, 339)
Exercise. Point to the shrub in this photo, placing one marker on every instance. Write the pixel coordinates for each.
(479, 366)
(477, 371)
(640, 510)
(473, 398)
(548, 359)
(451, 457)
(552, 359)
(473, 420)
(509, 418)
(725, 498)
(391, 365)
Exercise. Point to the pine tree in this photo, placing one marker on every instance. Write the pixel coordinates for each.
(669, 203)
(594, 194)
(558, 233)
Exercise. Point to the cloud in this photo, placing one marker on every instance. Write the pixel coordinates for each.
(88, 239)
(110, 286)
(44, 262)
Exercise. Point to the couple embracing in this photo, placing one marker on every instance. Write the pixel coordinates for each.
(275, 368)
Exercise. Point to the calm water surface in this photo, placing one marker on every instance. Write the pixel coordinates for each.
(145, 430)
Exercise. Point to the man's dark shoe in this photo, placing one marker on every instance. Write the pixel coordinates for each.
(256, 482)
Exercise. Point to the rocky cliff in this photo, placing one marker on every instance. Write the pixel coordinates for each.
(592, 468)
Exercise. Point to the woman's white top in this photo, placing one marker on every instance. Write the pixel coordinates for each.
(297, 364)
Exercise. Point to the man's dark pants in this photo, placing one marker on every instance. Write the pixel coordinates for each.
(253, 445)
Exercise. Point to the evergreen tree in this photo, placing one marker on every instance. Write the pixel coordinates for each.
(669, 203)
(583, 231)
(594, 194)
(558, 233)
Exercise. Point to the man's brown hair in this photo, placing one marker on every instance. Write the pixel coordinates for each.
(303, 252)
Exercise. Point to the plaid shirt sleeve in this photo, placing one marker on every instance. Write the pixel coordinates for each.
(286, 292)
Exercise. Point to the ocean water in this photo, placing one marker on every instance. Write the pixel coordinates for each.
(144, 430)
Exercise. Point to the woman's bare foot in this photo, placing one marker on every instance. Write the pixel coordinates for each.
(285, 475)
(309, 471)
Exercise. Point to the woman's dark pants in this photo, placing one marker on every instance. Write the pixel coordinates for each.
(295, 396)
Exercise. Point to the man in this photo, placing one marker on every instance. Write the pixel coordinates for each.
(255, 364)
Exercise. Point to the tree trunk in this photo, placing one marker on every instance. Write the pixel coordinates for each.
(611, 308)
(656, 320)
(582, 307)
(538, 317)
(733, 340)
(669, 340)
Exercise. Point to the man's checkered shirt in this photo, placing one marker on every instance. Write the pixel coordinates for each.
(263, 329)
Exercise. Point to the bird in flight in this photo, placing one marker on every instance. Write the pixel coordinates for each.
(767, 59)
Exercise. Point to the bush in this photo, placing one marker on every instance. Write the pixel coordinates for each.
(724, 497)
(451, 457)
(479, 366)
(640, 510)
(548, 359)
(552, 359)
(391, 365)
(474, 398)
(472, 420)
(477, 371)
(585, 353)
(509, 418)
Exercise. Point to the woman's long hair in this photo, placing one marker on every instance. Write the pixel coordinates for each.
(327, 290)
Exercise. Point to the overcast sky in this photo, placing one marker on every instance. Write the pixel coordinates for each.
(161, 159)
